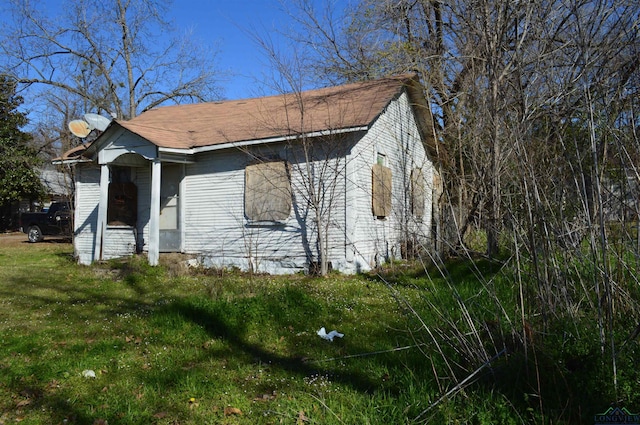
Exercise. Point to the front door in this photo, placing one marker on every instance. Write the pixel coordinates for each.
(170, 208)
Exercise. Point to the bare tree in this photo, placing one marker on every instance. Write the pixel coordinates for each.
(487, 65)
(319, 165)
(113, 55)
(538, 114)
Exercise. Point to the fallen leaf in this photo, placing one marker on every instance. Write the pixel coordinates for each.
(228, 411)
(160, 415)
(301, 418)
(23, 403)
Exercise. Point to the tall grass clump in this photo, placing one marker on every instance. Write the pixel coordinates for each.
(551, 321)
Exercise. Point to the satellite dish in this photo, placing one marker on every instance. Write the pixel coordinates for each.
(97, 121)
(79, 128)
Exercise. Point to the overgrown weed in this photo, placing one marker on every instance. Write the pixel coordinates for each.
(419, 345)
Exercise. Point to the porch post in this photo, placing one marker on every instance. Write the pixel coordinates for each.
(102, 212)
(154, 213)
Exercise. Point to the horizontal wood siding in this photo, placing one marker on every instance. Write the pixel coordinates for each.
(87, 197)
(327, 175)
(119, 242)
(396, 136)
(217, 230)
(213, 204)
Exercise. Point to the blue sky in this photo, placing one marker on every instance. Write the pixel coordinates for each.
(228, 24)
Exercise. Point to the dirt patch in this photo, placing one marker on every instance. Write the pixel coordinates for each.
(19, 239)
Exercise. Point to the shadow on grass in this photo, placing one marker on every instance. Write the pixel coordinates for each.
(231, 322)
(67, 257)
(218, 326)
(456, 271)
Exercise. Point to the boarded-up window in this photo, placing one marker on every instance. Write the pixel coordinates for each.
(417, 192)
(381, 188)
(267, 191)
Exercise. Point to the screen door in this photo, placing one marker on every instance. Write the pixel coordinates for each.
(170, 207)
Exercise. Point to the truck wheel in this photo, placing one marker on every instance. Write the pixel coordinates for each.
(35, 234)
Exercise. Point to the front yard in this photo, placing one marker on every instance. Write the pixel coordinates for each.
(125, 343)
(197, 347)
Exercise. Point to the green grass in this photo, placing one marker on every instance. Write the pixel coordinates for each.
(201, 348)
(181, 349)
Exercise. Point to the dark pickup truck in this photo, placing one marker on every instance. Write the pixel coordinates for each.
(56, 220)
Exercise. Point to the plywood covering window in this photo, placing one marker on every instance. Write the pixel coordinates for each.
(418, 192)
(122, 208)
(381, 190)
(267, 191)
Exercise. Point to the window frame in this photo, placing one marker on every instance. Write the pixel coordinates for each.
(122, 198)
(262, 178)
(381, 191)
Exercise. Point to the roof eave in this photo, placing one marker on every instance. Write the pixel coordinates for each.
(245, 143)
(61, 161)
(422, 109)
(96, 145)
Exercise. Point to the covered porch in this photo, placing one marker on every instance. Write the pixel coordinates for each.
(140, 207)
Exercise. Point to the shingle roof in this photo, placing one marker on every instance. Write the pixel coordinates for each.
(205, 124)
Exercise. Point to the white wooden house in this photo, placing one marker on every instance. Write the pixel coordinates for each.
(246, 183)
